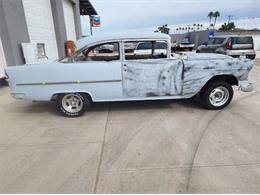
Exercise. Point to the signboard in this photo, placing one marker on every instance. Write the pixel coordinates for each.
(95, 21)
(211, 34)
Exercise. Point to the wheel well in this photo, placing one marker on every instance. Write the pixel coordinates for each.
(55, 96)
(231, 79)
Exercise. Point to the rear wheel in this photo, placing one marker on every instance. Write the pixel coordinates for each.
(73, 104)
(216, 95)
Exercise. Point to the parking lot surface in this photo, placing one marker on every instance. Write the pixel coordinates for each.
(132, 147)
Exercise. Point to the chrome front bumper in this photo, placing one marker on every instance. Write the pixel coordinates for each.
(19, 96)
(245, 86)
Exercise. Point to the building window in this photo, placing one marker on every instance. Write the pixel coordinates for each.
(41, 51)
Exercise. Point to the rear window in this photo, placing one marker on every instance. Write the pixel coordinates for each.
(242, 40)
(216, 41)
(160, 45)
(146, 50)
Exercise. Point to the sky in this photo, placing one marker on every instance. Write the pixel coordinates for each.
(134, 15)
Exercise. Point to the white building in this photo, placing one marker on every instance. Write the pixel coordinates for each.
(38, 28)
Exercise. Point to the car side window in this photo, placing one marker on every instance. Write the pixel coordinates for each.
(142, 50)
(101, 52)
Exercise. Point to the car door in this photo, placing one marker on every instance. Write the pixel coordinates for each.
(100, 70)
(151, 75)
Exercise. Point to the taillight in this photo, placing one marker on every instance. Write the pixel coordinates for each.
(229, 44)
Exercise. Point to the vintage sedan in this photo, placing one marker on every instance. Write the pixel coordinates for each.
(94, 76)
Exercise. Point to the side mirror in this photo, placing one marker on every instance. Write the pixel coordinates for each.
(205, 43)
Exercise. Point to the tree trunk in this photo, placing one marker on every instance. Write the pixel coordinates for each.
(215, 22)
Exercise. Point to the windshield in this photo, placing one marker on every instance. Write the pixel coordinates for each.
(64, 59)
(216, 41)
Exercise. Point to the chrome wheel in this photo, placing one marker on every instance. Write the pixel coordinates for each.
(72, 103)
(219, 96)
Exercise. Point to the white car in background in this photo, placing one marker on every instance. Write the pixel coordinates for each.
(183, 44)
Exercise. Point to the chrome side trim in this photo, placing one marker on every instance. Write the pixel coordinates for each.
(67, 82)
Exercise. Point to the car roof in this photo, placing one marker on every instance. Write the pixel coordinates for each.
(110, 37)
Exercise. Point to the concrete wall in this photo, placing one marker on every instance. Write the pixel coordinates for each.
(68, 9)
(40, 21)
(177, 37)
(40, 25)
(13, 30)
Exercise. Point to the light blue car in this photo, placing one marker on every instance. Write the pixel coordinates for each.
(96, 75)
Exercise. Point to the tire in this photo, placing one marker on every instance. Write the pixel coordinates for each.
(198, 51)
(190, 49)
(216, 95)
(73, 104)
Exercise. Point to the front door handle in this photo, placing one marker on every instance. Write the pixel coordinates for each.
(125, 67)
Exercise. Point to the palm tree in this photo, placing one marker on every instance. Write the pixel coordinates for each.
(215, 15)
(210, 15)
(163, 29)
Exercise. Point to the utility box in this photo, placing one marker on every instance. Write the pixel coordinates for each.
(2, 61)
(34, 52)
(30, 52)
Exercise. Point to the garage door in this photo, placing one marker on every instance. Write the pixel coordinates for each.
(40, 24)
(2, 60)
(69, 20)
(256, 42)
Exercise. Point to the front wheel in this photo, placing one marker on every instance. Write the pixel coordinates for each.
(73, 104)
(216, 95)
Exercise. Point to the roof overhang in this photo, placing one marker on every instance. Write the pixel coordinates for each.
(86, 8)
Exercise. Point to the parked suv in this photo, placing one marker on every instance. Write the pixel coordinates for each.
(234, 46)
